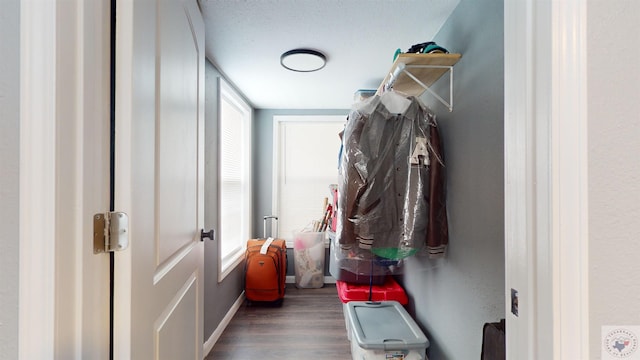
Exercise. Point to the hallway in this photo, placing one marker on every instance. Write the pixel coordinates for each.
(309, 325)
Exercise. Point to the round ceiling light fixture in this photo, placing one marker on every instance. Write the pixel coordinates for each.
(303, 60)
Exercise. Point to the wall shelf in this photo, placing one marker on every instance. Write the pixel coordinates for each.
(413, 74)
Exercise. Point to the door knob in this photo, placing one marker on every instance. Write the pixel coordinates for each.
(209, 234)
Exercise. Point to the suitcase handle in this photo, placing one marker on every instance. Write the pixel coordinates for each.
(264, 226)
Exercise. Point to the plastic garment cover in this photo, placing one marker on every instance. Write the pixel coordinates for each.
(385, 180)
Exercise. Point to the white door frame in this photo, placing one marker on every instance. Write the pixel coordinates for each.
(37, 179)
(546, 197)
(64, 168)
(546, 191)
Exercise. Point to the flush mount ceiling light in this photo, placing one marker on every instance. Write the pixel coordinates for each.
(303, 60)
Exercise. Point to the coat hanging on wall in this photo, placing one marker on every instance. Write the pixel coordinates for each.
(392, 188)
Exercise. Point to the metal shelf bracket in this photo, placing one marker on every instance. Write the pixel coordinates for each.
(404, 68)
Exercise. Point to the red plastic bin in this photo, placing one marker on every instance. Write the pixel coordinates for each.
(389, 290)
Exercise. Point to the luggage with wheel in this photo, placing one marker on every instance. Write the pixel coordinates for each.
(266, 267)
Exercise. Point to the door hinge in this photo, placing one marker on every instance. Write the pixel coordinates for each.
(110, 232)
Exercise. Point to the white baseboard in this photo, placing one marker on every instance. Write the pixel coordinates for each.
(208, 345)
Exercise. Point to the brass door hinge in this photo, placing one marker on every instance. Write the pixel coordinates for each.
(110, 232)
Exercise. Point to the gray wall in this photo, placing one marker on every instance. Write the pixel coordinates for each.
(218, 297)
(9, 176)
(452, 298)
(613, 166)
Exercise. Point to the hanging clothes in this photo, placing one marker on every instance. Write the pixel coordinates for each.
(391, 193)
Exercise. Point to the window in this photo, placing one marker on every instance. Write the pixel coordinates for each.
(234, 176)
(306, 162)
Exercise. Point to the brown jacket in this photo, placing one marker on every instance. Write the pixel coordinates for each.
(389, 202)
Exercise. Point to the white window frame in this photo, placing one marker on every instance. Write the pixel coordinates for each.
(228, 262)
(278, 141)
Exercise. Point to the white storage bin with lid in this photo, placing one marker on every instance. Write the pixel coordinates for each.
(384, 330)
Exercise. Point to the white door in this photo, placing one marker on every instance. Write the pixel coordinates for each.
(159, 179)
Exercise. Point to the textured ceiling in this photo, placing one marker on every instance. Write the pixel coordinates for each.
(245, 39)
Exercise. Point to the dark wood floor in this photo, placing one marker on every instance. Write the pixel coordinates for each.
(309, 325)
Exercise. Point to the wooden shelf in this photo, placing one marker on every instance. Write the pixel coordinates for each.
(427, 68)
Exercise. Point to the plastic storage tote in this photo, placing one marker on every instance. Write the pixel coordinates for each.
(384, 330)
(308, 256)
(388, 291)
(355, 270)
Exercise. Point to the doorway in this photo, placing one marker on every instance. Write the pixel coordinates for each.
(45, 323)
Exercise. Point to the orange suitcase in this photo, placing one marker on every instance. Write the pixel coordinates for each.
(265, 268)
